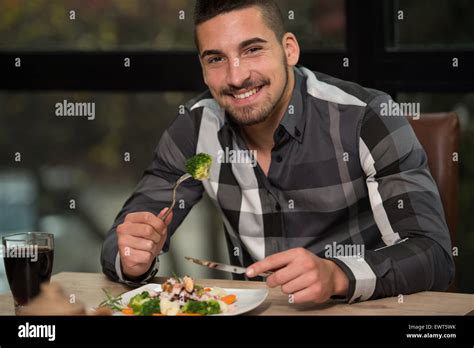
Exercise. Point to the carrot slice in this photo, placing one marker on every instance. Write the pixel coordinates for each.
(127, 311)
(229, 299)
(207, 289)
(157, 314)
(189, 314)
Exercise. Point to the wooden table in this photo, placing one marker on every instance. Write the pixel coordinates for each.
(87, 288)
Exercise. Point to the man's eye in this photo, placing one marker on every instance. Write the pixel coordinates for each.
(254, 49)
(215, 60)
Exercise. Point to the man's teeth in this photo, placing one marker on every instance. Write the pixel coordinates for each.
(247, 94)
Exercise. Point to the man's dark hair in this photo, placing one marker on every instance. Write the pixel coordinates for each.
(271, 14)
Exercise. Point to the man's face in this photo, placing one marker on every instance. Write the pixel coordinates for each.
(243, 64)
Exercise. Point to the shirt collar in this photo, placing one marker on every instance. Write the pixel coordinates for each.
(293, 120)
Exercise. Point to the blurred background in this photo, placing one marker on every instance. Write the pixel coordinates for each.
(70, 176)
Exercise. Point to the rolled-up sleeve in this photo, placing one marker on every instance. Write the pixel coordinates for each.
(154, 192)
(407, 209)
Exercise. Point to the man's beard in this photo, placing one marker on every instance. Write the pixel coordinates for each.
(251, 115)
(254, 114)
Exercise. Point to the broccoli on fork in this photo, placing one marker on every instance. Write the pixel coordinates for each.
(198, 166)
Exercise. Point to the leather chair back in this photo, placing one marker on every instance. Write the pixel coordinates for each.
(439, 135)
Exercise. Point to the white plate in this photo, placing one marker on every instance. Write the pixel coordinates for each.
(247, 299)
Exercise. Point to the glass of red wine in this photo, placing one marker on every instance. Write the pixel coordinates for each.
(28, 259)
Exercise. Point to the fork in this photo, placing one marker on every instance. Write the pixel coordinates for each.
(176, 185)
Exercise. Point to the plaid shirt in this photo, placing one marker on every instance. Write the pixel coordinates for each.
(342, 178)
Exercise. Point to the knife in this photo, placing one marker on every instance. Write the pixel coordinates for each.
(223, 267)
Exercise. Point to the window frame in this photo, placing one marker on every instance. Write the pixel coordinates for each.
(371, 63)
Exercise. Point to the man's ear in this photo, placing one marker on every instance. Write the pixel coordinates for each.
(291, 48)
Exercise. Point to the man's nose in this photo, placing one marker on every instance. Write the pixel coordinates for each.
(237, 73)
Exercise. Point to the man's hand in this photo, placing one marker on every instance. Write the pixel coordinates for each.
(140, 239)
(305, 276)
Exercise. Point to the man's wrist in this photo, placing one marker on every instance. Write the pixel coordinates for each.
(340, 280)
(138, 277)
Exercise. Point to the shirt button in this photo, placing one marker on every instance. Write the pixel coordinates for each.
(279, 158)
(278, 206)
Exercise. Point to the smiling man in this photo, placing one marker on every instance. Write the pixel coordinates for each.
(341, 203)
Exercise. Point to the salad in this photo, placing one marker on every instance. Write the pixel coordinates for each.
(178, 296)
